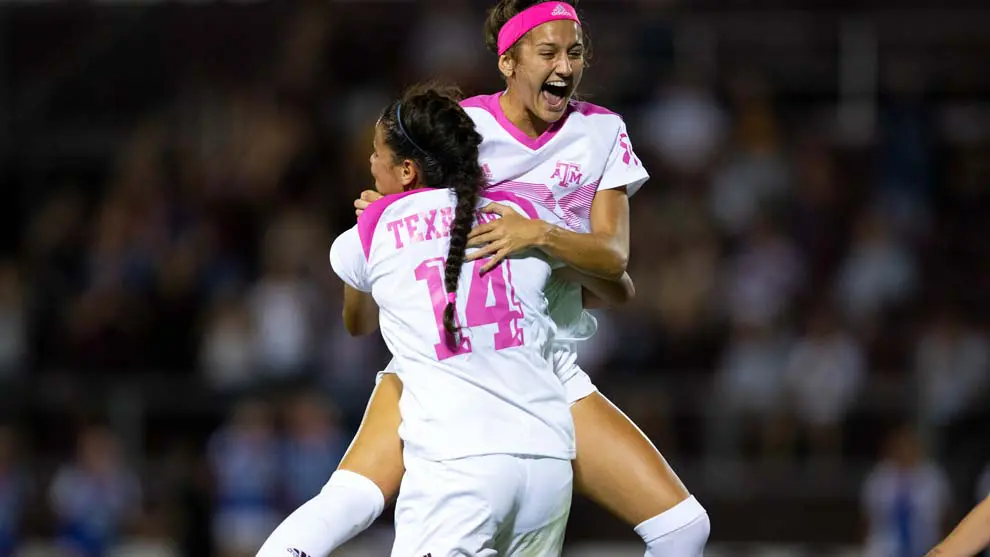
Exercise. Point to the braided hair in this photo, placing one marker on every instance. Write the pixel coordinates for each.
(429, 127)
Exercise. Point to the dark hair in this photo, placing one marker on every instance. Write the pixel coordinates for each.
(440, 138)
(504, 10)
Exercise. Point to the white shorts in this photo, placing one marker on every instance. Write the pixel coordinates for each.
(577, 383)
(482, 506)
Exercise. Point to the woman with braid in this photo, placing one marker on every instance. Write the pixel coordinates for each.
(573, 159)
(487, 432)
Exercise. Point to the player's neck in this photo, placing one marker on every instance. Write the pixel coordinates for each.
(521, 118)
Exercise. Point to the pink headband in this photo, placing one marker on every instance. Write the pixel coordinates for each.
(531, 17)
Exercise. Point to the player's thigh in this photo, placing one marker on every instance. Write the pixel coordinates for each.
(545, 505)
(376, 451)
(617, 466)
(444, 509)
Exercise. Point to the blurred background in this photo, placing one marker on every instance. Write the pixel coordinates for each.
(808, 347)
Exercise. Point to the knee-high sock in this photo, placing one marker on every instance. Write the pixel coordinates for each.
(346, 506)
(680, 531)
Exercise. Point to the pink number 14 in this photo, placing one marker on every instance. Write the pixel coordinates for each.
(506, 311)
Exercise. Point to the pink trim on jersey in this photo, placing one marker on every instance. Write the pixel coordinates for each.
(537, 193)
(588, 109)
(502, 196)
(368, 221)
(490, 104)
(531, 17)
(576, 206)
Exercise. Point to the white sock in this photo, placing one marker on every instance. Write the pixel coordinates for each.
(680, 531)
(346, 505)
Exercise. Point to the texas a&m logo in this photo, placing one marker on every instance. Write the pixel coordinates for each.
(567, 174)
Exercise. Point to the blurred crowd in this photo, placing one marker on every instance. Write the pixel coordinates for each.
(794, 280)
(266, 459)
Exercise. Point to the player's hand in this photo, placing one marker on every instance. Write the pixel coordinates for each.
(367, 198)
(501, 238)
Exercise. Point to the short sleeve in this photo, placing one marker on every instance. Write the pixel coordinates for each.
(348, 261)
(623, 167)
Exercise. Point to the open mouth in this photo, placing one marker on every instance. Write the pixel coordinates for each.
(555, 95)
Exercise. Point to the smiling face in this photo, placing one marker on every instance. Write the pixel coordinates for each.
(542, 71)
(391, 175)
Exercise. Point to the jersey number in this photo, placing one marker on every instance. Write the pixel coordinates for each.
(506, 311)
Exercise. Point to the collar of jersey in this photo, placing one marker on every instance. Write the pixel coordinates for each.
(534, 143)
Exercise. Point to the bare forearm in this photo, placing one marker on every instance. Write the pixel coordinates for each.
(599, 292)
(971, 536)
(594, 254)
(360, 312)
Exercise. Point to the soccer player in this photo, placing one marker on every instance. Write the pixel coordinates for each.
(576, 160)
(970, 537)
(488, 436)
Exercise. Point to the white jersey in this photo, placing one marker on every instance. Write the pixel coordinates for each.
(493, 393)
(585, 151)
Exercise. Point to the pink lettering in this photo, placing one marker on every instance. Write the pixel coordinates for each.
(505, 311)
(446, 219)
(430, 218)
(509, 333)
(431, 271)
(566, 173)
(394, 227)
(411, 229)
(484, 218)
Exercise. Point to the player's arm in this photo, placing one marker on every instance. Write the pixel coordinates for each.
(349, 261)
(604, 252)
(598, 292)
(971, 536)
(360, 312)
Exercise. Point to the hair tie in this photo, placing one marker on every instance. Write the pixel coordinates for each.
(452, 298)
(402, 129)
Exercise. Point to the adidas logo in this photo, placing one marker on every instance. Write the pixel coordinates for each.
(297, 552)
(560, 10)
